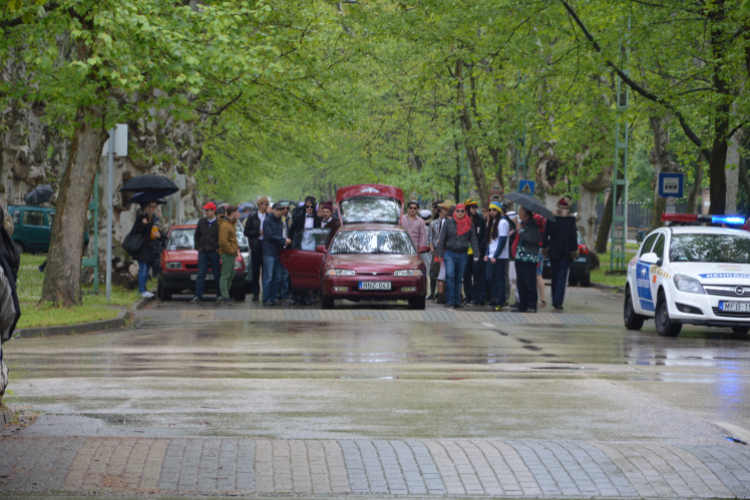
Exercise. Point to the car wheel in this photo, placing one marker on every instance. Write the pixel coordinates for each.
(417, 303)
(162, 292)
(664, 325)
(586, 278)
(633, 320)
(326, 302)
(741, 330)
(239, 294)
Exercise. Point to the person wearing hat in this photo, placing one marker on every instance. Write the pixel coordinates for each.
(456, 237)
(415, 226)
(254, 234)
(497, 254)
(228, 249)
(328, 221)
(206, 241)
(560, 245)
(273, 244)
(474, 289)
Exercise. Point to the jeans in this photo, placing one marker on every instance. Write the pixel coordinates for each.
(496, 280)
(454, 273)
(142, 275)
(468, 274)
(284, 282)
(271, 278)
(227, 273)
(256, 257)
(204, 259)
(526, 284)
(559, 270)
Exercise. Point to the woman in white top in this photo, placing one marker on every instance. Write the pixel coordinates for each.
(497, 255)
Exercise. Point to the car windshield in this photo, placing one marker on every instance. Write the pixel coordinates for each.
(365, 209)
(373, 242)
(722, 248)
(181, 239)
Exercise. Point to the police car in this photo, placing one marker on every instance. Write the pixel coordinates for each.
(690, 275)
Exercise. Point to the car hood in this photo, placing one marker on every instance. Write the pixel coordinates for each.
(369, 263)
(733, 274)
(181, 255)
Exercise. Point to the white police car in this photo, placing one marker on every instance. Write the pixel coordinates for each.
(690, 275)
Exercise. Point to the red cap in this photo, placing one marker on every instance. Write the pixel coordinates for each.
(209, 206)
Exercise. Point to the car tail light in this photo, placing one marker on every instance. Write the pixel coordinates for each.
(239, 265)
(583, 249)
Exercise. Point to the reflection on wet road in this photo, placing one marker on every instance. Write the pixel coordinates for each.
(390, 379)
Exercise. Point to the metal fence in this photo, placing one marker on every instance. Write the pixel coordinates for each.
(639, 214)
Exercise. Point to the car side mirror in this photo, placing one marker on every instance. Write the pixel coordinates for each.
(651, 258)
(424, 249)
(321, 249)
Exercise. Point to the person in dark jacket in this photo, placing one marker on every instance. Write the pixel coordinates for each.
(144, 224)
(306, 219)
(273, 245)
(328, 221)
(254, 233)
(456, 236)
(206, 241)
(527, 257)
(474, 289)
(560, 244)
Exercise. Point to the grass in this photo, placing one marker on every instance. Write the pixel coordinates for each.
(94, 308)
(600, 276)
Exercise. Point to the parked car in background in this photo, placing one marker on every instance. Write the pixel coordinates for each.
(32, 227)
(580, 269)
(179, 264)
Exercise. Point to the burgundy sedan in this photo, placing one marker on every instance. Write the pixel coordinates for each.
(373, 262)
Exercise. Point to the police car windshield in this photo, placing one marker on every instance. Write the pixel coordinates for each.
(722, 248)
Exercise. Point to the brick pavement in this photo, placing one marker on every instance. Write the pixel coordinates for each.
(233, 466)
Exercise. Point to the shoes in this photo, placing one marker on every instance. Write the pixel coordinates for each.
(292, 301)
(218, 298)
(518, 310)
(542, 303)
(448, 305)
(255, 298)
(227, 300)
(306, 302)
(429, 297)
(272, 303)
(498, 308)
(195, 299)
(147, 295)
(440, 299)
(531, 310)
(459, 306)
(557, 307)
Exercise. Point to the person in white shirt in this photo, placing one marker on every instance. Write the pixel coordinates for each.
(497, 255)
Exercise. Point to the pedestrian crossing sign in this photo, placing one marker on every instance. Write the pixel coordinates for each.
(526, 187)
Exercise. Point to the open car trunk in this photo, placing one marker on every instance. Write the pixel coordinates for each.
(370, 203)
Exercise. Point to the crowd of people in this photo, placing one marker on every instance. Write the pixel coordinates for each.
(474, 258)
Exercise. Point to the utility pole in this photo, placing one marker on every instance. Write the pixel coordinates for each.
(620, 222)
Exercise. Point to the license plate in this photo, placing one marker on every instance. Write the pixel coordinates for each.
(209, 277)
(374, 285)
(739, 307)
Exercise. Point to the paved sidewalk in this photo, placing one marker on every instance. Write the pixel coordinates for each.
(429, 315)
(363, 467)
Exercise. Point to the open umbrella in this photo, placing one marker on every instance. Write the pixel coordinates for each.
(152, 196)
(531, 203)
(150, 184)
(40, 194)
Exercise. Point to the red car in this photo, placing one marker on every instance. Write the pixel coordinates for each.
(179, 267)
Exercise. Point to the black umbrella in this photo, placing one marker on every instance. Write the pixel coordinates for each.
(531, 203)
(40, 194)
(150, 184)
(152, 196)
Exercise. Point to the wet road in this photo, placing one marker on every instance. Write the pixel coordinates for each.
(379, 379)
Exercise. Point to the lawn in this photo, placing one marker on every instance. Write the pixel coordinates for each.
(94, 306)
(599, 276)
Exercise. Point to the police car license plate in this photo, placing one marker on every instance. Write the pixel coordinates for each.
(374, 285)
(209, 277)
(739, 307)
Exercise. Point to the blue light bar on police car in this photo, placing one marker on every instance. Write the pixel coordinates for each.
(732, 220)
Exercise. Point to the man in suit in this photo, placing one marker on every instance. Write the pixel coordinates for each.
(330, 222)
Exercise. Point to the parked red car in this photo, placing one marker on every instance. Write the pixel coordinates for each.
(179, 267)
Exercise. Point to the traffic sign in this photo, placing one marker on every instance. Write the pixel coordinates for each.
(526, 187)
(496, 192)
(671, 184)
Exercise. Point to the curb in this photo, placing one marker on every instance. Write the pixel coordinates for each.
(611, 288)
(119, 321)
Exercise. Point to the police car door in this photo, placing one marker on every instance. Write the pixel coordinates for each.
(644, 301)
(656, 272)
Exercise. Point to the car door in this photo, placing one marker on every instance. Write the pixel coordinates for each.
(302, 261)
(654, 274)
(645, 300)
(36, 233)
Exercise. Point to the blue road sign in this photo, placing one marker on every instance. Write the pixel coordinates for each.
(671, 185)
(526, 187)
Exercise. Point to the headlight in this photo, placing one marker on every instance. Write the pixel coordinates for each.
(341, 272)
(238, 265)
(174, 265)
(688, 284)
(408, 272)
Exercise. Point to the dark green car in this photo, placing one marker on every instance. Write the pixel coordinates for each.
(32, 227)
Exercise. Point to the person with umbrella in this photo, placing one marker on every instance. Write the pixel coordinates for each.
(527, 257)
(144, 225)
(456, 236)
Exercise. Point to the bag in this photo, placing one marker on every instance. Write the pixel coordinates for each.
(132, 242)
(524, 255)
(155, 234)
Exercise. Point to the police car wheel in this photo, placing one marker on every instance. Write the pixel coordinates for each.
(741, 330)
(633, 320)
(665, 327)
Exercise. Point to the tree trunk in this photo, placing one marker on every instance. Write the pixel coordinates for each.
(475, 161)
(661, 159)
(718, 160)
(587, 215)
(603, 236)
(732, 171)
(697, 186)
(62, 277)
